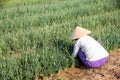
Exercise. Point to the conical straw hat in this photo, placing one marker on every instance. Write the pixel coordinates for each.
(79, 32)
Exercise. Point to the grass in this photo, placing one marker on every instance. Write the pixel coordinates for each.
(35, 38)
(17, 3)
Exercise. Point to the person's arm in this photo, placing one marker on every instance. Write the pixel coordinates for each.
(76, 49)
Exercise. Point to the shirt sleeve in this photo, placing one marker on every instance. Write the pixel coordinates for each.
(76, 49)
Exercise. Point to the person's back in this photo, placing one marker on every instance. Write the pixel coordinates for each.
(92, 49)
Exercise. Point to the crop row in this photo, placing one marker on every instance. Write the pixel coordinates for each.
(42, 16)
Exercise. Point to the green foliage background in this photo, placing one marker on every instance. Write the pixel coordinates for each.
(34, 35)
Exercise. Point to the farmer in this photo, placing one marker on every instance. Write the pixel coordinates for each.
(90, 52)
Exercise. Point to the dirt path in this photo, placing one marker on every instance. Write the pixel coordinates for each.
(110, 71)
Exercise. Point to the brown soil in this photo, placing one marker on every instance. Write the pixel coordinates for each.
(109, 71)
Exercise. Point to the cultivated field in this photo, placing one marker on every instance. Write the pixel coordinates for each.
(34, 35)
